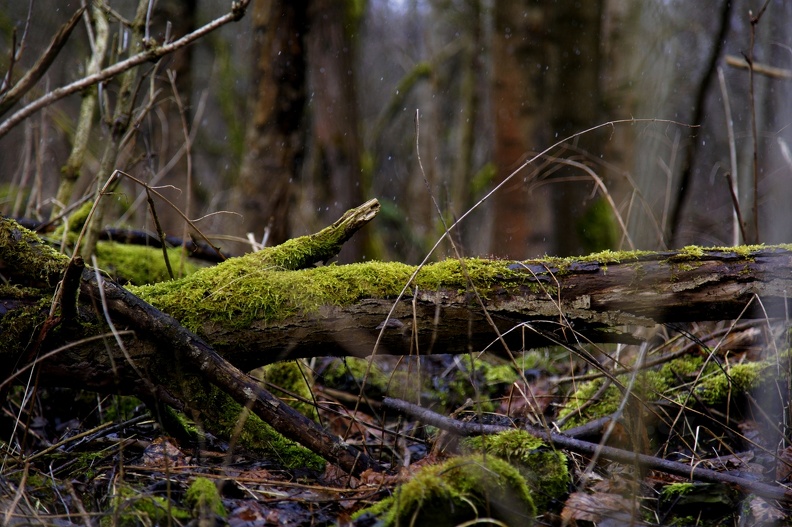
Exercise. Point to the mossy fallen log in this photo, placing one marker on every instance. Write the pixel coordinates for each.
(159, 360)
(274, 305)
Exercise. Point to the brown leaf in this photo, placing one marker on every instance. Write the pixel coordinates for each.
(162, 453)
(784, 464)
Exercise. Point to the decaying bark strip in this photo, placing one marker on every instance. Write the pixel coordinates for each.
(274, 305)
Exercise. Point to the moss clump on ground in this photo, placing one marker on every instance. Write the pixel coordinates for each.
(741, 378)
(702, 504)
(545, 470)
(716, 385)
(482, 379)
(348, 374)
(222, 416)
(204, 499)
(131, 508)
(462, 489)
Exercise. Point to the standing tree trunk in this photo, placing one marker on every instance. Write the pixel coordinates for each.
(522, 223)
(546, 71)
(574, 74)
(336, 178)
(470, 105)
(273, 142)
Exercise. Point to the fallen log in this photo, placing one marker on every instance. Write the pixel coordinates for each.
(275, 305)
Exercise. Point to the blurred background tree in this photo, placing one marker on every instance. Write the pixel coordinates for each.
(303, 109)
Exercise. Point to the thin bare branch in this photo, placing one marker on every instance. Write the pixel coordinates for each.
(773, 492)
(12, 96)
(152, 53)
(762, 69)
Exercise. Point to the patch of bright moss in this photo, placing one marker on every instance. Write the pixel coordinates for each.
(241, 290)
(460, 490)
(75, 222)
(131, 508)
(204, 499)
(545, 470)
(741, 378)
(347, 374)
(140, 265)
(674, 490)
(607, 404)
(482, 377)
(715, 386)
(597, 227)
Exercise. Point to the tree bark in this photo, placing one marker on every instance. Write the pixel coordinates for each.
(522, 221)
(335, 158)
(273, 141)
(546, 74)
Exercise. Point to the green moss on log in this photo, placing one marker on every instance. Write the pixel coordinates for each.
(249, 288)
(24, 252)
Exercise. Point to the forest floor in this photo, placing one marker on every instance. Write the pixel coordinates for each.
(103, 460)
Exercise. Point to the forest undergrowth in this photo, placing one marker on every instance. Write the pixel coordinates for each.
(687, 427)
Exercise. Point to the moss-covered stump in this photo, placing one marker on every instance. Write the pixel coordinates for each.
(545, 469)
(463, 489)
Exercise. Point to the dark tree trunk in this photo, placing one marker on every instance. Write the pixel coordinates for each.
(273, 141)
(335, 163)
(546, 77)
